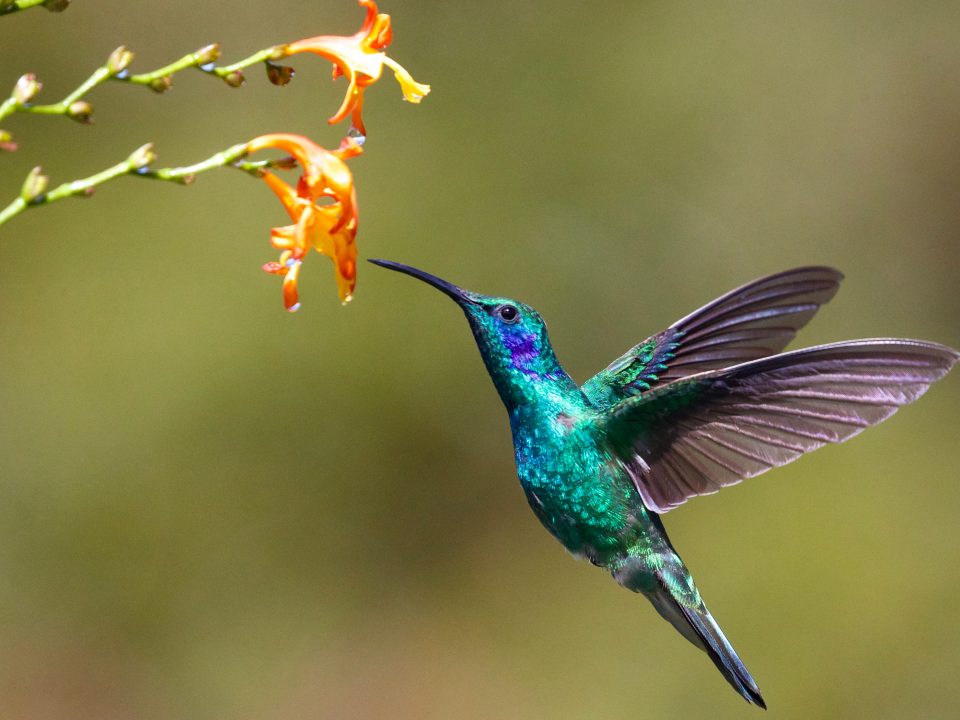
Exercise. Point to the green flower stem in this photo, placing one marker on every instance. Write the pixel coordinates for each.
(14, 208)
(187, 61)
(10, 105)
(271, 53)
(186, 174)
(99, 75)
(137, 165)
(158, 80)
(12, 6)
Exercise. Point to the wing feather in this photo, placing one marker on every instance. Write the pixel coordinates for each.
(707, 431)
(753, 321)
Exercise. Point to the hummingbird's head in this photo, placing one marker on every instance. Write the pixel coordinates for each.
(512, 337)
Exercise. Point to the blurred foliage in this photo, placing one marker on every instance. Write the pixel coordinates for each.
(211, 509)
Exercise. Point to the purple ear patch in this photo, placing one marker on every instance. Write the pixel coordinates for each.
(524, 347)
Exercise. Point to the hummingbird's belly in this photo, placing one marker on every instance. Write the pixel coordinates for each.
(580, 498)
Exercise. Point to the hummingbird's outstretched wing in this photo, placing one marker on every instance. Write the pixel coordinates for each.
(701, 433)
(751, 322)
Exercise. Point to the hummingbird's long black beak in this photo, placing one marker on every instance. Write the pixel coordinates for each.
(458, 294)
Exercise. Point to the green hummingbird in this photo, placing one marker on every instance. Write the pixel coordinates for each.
(705, 403)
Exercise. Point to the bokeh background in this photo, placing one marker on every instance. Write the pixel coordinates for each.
(211, 509)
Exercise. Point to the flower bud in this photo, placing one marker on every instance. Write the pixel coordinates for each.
(161, 84)
(285, 163)
(81, 111)
(234, 79)
(142, 156)
(26, 89)
(35, 185)
(279, 74)
(6, 141)
(207, 54)
(119, 60)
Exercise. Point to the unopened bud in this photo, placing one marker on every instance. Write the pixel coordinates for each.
(279, 74)
(26, 89)
(81, 111)
(35, 185)
(119, 60)
(207, 54)
(56, 5)
(6, 142)
(142, 156)
(285, 163)
(161, 84)
(234, 79)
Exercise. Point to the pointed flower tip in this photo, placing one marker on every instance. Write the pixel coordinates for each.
(413, 91)
(351, 146)
(291, 298)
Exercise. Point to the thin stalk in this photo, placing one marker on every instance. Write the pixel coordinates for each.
(138, 165)
(157, 80)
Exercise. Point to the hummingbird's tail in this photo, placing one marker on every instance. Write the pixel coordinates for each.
(668, 585)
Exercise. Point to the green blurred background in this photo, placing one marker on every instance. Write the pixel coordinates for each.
(212, 509)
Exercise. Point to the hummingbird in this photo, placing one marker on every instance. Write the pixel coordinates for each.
(702, 405)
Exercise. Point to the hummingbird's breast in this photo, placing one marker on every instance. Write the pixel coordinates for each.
(573, 483)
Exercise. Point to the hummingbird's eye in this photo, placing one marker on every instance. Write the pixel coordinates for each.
(508, 313)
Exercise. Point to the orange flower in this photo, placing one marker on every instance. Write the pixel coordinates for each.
(329, 228)
(361, 57)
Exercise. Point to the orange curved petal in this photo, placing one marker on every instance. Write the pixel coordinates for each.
(324, 172)
(291, 298)
(352, 99)
(371, 17)
(291, 202)
(283, 238)
(331, 228)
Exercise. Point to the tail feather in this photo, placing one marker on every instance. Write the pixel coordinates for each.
(722, 653)
(670, 589)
